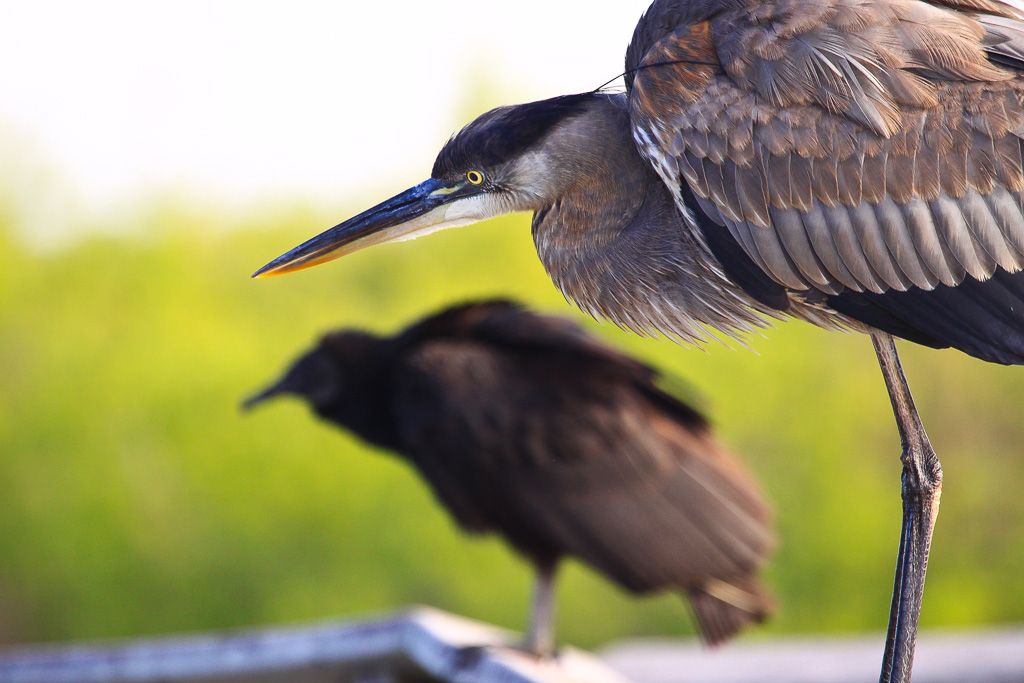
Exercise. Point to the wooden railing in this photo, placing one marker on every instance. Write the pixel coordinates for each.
(424, 644)
(990, 656)
(417, 645)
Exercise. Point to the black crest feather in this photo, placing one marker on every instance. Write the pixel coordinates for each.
(504, 133)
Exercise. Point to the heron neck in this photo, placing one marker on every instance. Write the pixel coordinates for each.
(614, 242)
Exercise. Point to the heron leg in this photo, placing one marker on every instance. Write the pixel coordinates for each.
(540, 631)
(921, 485)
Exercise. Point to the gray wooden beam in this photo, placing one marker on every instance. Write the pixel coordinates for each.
(992, 656)
(420, 644)
(425, 644)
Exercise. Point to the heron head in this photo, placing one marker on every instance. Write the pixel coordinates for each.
(501, 162)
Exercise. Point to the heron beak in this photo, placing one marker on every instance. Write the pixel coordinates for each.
(415, 212)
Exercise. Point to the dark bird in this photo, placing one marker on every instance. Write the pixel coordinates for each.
(525, 426)
(854, 163)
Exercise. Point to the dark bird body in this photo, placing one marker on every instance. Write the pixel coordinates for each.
(853, 163)
(525, 426)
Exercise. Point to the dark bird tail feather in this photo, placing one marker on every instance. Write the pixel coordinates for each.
(721, 609)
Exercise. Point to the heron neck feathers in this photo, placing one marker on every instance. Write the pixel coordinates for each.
(614, 242)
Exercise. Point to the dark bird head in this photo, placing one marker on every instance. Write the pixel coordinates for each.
(516, 158)
(314, 377)
(342, 380)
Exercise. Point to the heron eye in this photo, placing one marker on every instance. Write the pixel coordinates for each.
(475, 177)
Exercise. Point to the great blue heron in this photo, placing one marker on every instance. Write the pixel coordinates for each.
(854, 163)
(526, 426)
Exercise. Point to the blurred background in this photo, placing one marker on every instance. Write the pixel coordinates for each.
(153, 156)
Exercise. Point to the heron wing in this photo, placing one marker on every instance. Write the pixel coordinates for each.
(845, 145)
(562, 456)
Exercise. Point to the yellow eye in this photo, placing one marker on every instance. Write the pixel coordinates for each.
(475, 177)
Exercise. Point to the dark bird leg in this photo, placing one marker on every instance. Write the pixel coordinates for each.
(922, 484)
(540, 631)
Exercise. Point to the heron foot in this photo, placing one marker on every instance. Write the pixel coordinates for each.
(920, 509)
(921, 488)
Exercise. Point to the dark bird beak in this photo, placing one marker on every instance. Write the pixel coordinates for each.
(415, 212)
(313, 377)
(268, 393)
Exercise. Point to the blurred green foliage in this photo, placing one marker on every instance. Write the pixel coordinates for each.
(136, 498)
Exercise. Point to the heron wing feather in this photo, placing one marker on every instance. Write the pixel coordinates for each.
(869, 146)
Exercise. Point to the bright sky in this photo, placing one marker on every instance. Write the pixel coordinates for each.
(234, 101)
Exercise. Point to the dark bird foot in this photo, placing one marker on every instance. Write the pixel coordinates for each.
(540, 655)
(469, 657)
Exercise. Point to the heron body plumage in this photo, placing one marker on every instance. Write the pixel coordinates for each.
(863, 155)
